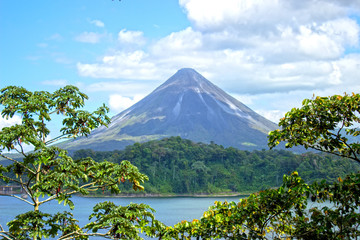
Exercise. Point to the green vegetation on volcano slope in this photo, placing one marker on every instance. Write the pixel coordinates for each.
(180, 166)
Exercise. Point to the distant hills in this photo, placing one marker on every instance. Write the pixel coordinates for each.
(186, 105)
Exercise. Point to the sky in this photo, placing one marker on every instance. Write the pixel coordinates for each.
(269, 54)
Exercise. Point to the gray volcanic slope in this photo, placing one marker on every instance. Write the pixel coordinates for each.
(186, 105)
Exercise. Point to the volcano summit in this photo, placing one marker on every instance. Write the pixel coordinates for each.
(186, 105)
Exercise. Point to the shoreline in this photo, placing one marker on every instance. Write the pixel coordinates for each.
(160, 195)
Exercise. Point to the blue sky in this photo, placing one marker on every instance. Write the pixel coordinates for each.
(42, 42)
(269, 54)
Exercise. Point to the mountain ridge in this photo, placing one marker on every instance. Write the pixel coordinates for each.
(186, 105)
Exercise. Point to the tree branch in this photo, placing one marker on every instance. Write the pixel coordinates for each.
(15, 161)
(344, 142)
(25, 188)
(64, 136)
(69, 193)
(337, 154)
(20, 198)
(11, 179)
(77, 233)
(6, 234)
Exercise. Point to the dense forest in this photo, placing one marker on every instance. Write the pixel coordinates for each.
(180, 166)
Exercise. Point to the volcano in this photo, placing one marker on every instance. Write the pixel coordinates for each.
(186, 105)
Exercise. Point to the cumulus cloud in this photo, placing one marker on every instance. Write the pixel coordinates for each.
(89, 37)
(128, 65)
(118, 102)
(212, 15)
(265, 15)
(124, 88)
(9, 122)
(271, 49)
(186, 40)
(272, 115)
(329, 39)
(97, 23)
(131, 37)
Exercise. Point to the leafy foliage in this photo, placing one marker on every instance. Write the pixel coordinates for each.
(48, 173)
(327, 124)
(281, 213)
(122, 222)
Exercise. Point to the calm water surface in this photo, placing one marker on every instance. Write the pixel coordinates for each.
(168, 210)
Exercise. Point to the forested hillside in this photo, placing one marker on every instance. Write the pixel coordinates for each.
(180, 166)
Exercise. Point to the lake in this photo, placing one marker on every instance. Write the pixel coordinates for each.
(168, 210)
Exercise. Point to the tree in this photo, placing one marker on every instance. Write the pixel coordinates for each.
(48, 173)
(326, 124)
(281, 213)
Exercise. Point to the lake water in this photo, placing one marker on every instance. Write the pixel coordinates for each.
(168, 210)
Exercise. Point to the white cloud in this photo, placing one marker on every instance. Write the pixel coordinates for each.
(89, 37)
(128, 65)
(266, 15)
(97, 23)
(124, 88)
(118, 103)
(213, 15)
(186, 40)
(272, 115)
(329, 39)
(348, 71)
(274, 105)
(262, 51)
(9, 122)
(131, 37)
